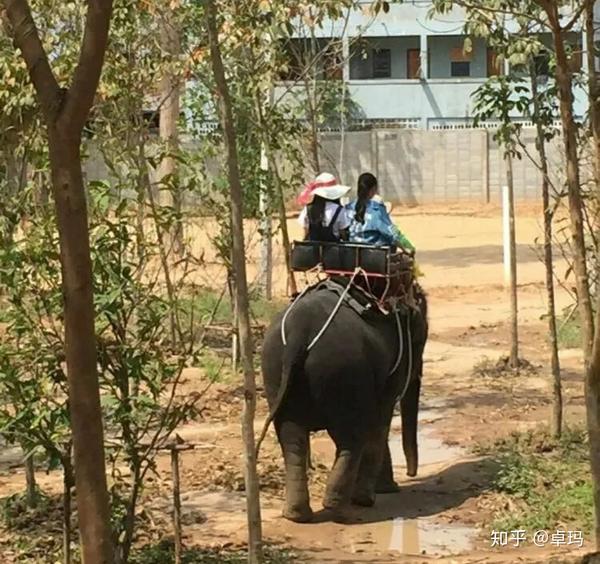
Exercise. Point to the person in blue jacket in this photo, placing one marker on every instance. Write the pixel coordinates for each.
(370, 221)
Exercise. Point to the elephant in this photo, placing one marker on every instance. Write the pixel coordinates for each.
(343, 377)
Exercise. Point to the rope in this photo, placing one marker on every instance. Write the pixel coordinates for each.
(410, 361)
(335, 310)
(329, 319)
(296, 300)
(400, 343)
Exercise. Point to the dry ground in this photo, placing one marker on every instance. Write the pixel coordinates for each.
(443, 513)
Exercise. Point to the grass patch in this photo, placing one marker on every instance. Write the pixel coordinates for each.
(207, 302)
(162, 553)
(569, 331)
(547, 481)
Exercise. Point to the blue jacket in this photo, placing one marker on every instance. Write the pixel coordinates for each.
(377, 228)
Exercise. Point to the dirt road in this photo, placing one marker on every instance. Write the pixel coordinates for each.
(443, 514)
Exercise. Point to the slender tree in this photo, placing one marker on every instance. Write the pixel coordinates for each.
(495, 100)
(541, 134)
(65, 112)
(223, 100)
(170, 97)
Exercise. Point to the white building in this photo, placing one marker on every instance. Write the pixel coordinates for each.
(410, 68)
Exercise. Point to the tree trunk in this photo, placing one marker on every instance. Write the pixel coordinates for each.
(590, 342)
(593, 87)
(564, 82)
(292, 288)
(32, 494)
(170, 95)
(593, 417)
(65, 113)
(67, 505)
(594, 116)
(266, 250)
(80, 347)
(514, 305)
(314, 131)
(557, 403)
(593, 371)
(255, 554)
(176, 504)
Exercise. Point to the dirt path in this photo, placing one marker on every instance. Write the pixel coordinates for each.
(443, 513)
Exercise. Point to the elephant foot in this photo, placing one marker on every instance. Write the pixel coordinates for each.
(364, 498)
(298, 514)
(334, 502)
(387, 487)
(341, 514)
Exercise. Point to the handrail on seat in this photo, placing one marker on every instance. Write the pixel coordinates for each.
(342, 259)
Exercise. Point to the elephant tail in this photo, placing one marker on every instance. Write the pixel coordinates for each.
(294, 355)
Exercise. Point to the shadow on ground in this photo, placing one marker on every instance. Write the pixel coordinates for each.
(427, 496)
(469, 256)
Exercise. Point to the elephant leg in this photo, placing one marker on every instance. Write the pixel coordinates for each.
(342, 478)
(293, 439)
(385, 480)
(370, 468)
(409, 408)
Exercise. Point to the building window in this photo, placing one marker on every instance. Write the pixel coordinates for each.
(494, 66)
(333, 64)
(542, 64)
(460, 68)
(460, 62)
(382, 63)
(413, 63)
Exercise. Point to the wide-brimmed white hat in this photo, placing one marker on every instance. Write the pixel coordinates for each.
(326, 186)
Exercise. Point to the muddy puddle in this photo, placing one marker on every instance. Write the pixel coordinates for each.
(406, 523)
(409, 537)
(422, 535)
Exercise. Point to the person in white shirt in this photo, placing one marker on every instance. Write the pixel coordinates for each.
(324, 218)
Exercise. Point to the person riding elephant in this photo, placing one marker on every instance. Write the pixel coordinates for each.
(343, 374)
(370, 220)
(323, 217)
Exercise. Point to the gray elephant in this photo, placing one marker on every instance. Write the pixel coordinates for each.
(345, 379)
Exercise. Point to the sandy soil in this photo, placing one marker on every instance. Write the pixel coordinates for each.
(443, 513)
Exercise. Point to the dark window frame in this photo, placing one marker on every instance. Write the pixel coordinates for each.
(386, 64)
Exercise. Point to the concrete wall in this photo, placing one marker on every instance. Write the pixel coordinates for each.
(441, 98)
(415, 166)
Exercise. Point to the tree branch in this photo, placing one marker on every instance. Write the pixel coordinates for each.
(571, 23)
(27, 39)
(500, 11)
(87, 74)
